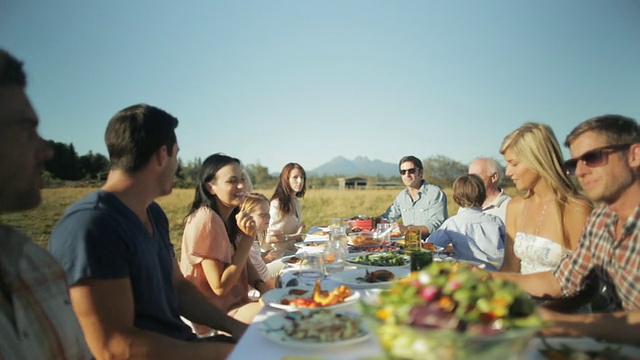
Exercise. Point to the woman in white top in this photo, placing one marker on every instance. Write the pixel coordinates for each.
(547, 221)
(285, 226)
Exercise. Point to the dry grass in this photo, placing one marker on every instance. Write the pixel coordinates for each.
(318, 207)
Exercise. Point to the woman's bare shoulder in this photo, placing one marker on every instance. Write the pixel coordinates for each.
(515, 204)
(578, 209)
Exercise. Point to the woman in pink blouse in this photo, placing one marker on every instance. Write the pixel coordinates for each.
(217, 239)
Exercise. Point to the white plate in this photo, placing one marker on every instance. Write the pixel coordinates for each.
(581, 344)
(286, 259)
(269, 328)
(274, 297)
(351, 257)
(348, 277)
(306, 245)
(310, 238)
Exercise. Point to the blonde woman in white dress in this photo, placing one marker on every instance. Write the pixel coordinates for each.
(547, 221)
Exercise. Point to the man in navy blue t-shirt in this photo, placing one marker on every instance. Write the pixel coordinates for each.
(125, 284)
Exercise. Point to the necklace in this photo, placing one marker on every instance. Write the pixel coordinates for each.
(526, 211)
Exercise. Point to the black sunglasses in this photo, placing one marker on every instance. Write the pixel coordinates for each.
(594, 158)
(410, 171)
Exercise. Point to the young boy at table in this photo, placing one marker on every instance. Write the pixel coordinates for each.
(475, 235)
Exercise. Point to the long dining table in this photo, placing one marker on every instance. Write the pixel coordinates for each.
(254, 344)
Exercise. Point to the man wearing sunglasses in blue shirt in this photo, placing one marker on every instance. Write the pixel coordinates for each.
(605, 154)
(421, 205)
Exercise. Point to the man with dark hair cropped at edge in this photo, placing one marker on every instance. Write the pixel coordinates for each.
(36, 317)
(605, 154)
(126, 287)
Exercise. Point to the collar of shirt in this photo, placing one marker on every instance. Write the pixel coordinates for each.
(498, 201)
(470, 209)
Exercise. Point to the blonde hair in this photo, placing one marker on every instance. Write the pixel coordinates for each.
(536, 145)
(252, 201)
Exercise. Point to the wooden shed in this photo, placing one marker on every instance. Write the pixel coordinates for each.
(352, 183)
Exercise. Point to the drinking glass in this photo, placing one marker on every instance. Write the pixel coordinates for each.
(384, 228)
(412, 239)
(311, 269)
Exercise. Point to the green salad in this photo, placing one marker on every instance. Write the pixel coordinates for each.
(383, 259)
(451, 310)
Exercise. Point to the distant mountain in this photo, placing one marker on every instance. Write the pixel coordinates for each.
(361, 165)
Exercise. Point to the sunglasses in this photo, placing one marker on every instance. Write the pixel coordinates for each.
(410, 171)
(594, 158)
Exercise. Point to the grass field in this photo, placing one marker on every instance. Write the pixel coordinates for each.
(318, 208)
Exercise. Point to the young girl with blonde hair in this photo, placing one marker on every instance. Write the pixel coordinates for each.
(257, 205)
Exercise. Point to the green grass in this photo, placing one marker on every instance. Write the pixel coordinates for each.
(318, 208)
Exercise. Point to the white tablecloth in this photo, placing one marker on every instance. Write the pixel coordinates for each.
(254, 345)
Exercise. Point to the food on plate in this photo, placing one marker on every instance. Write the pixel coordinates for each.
(384, 259)
(395, 234)
(318, 298)
(377, 276)
(453, 311)
(364, 239)
(392, 247)
(293, 260)
(429, 246)
(322, 326)
(313, 243)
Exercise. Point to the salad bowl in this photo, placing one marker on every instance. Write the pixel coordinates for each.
(452, 311)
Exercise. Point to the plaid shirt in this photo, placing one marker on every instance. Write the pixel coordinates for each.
(36, 317)
(616, 261)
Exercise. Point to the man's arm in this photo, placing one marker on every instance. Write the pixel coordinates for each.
(622, 326)
(437, 213)
(105, 309)
(542, 284)
(393, 212)
(197, 308)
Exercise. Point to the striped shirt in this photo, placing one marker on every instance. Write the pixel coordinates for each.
(615, 260)
(36, 317)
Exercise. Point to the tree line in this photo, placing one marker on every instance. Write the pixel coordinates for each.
(91, 170)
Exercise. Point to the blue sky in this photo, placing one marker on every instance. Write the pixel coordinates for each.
(271, 82)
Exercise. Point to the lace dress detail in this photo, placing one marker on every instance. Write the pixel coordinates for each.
(536, 253)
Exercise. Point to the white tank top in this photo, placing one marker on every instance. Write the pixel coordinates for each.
(536, 253)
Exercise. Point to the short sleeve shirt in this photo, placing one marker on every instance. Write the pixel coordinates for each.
(205, 237)
(615, 260)
(99, 237)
